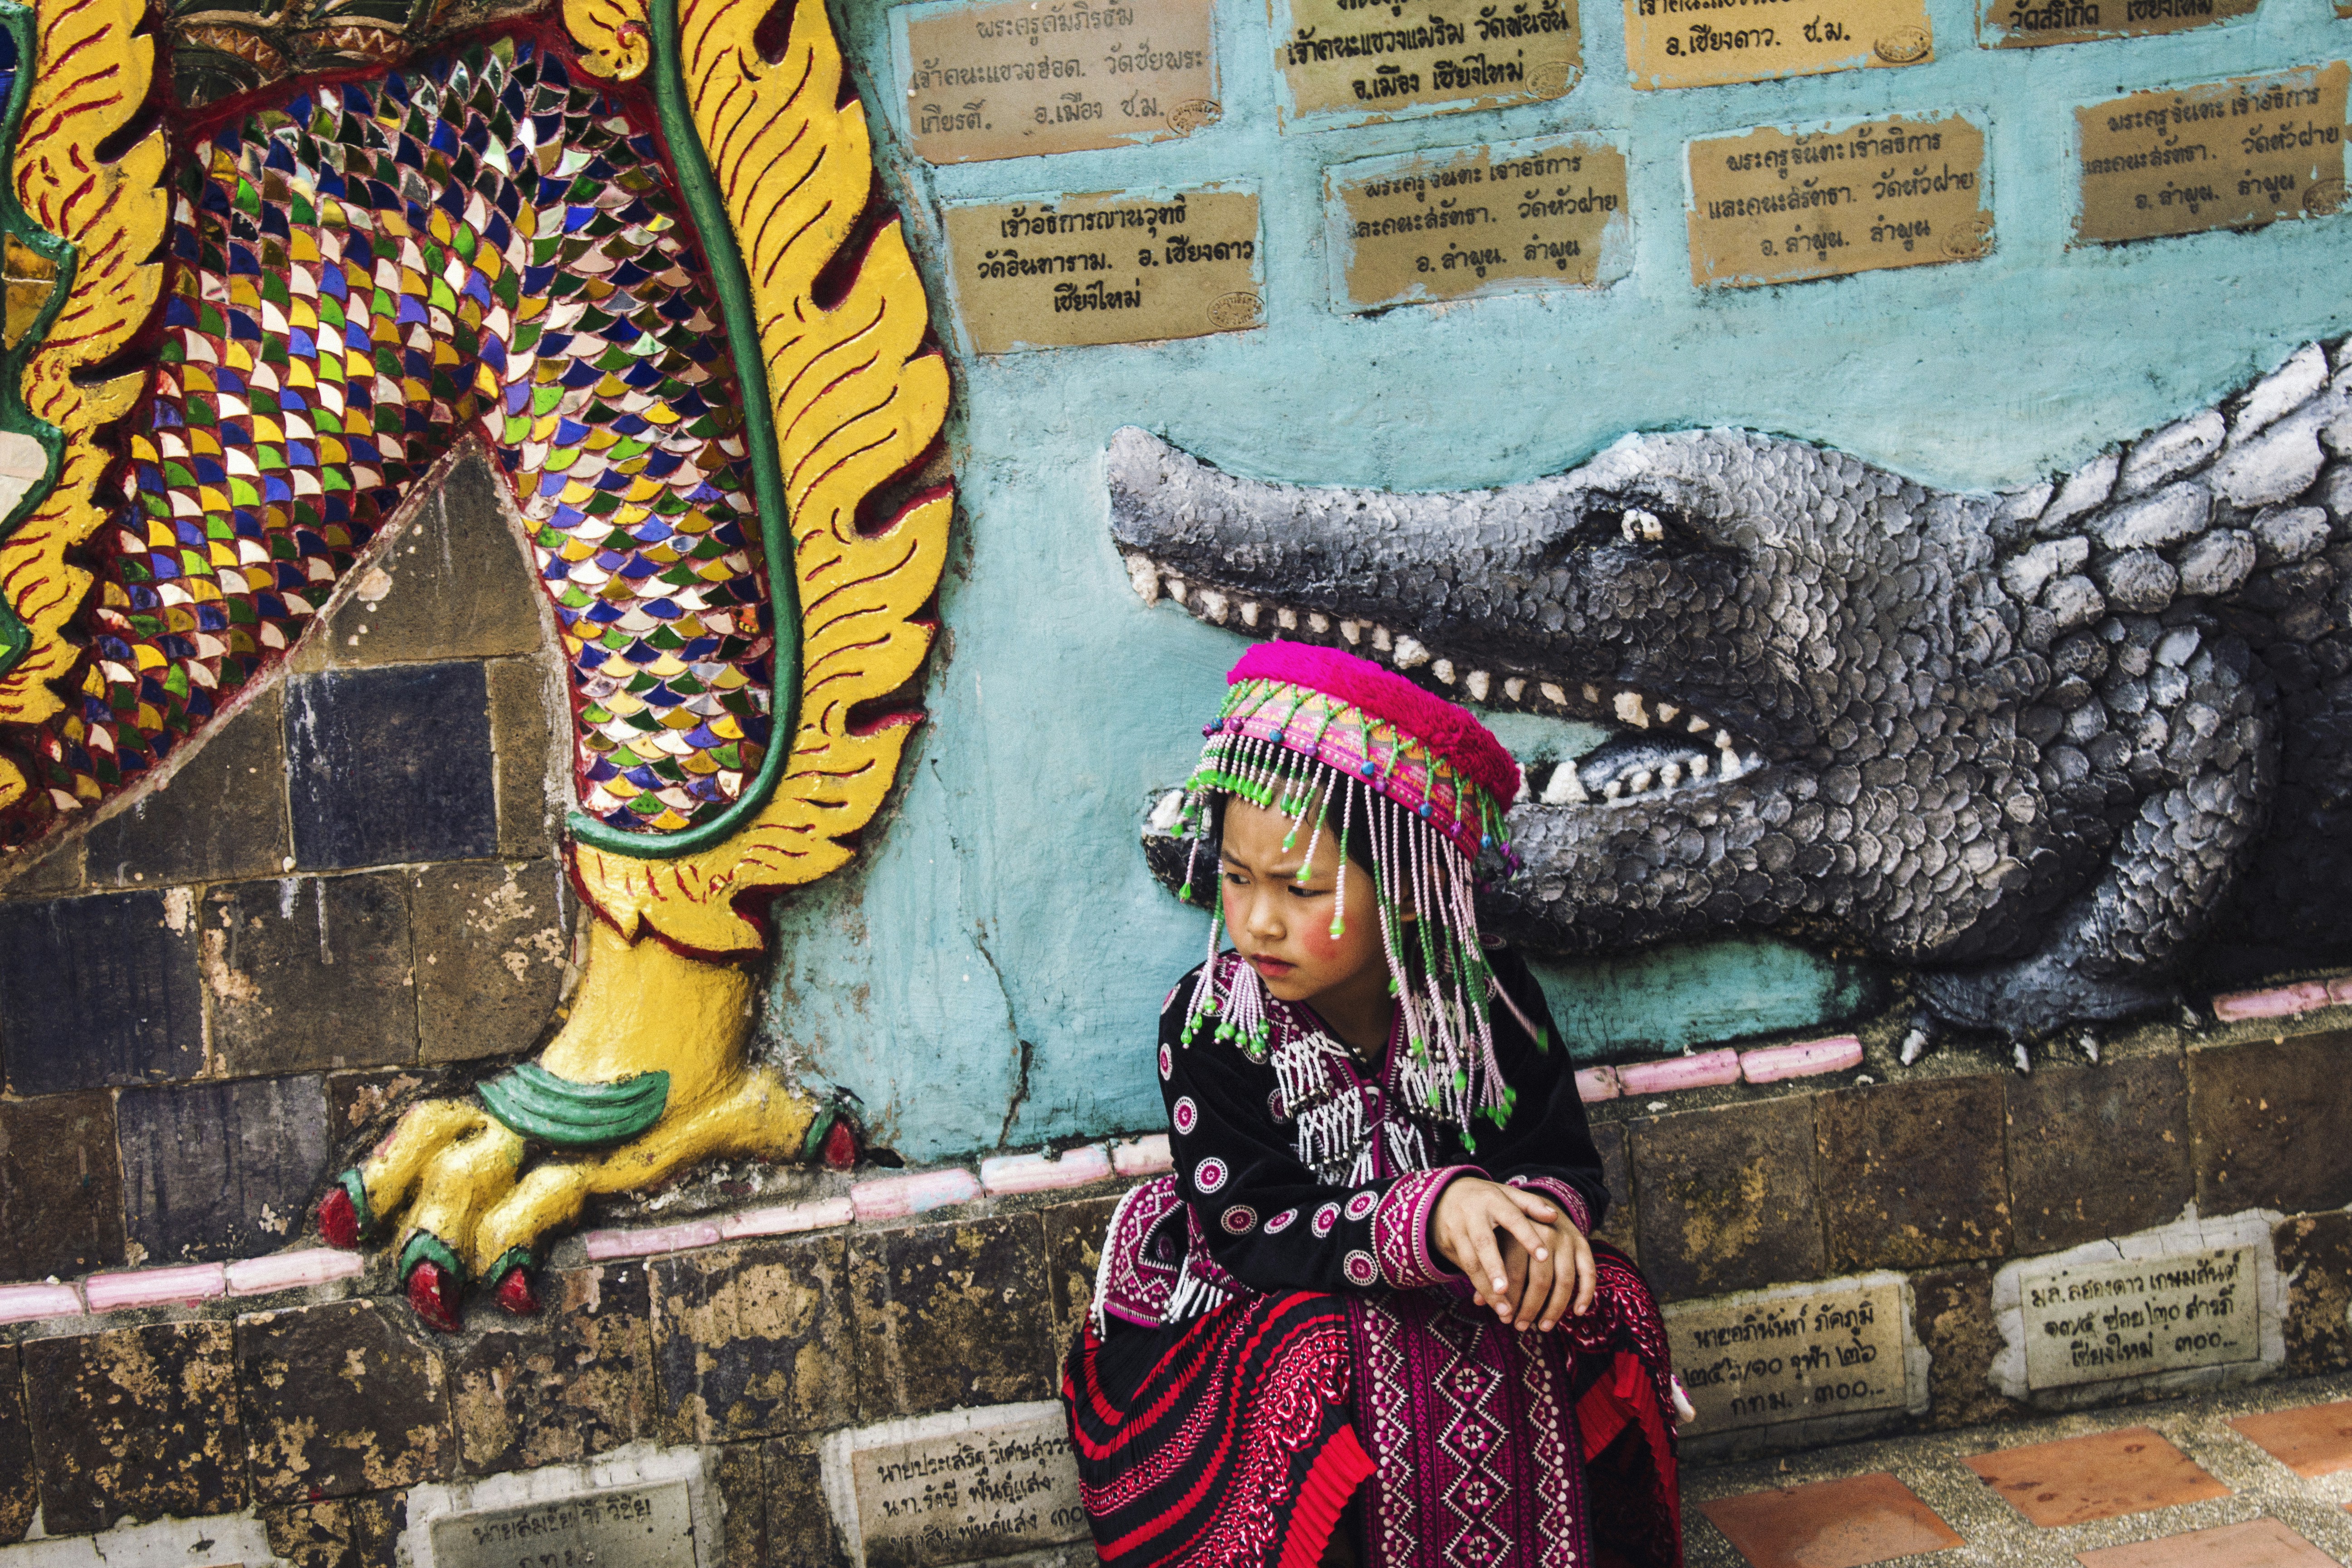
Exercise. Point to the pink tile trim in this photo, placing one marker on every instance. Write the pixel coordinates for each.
(1036, 1174)
(2283, 1001)
(1142, 1156)
(1596, 1084)
(293, 1270)
(1769, 1064)
(154, 1286)
(649, 1239)
(788, 1219)
(24, 1303)
(895, 1197)
(1670, 1073)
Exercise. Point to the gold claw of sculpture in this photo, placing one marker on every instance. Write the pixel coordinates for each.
(613, 36)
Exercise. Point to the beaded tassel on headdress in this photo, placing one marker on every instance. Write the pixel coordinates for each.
(1329, 739)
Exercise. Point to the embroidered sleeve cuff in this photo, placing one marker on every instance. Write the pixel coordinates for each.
(1401, 1228)
(1570, 1201)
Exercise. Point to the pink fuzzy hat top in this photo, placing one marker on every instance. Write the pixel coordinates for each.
(1424, 752)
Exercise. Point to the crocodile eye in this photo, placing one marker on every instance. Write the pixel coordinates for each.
(1642, 526)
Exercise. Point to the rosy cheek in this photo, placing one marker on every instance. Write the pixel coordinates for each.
(1317, 939)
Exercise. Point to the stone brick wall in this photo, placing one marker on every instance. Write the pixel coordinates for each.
(347, 892)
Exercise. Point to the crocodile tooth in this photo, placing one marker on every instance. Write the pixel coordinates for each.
(1698, 725)
(1214, 605)
(1670, 775)
(1632, 710)
(1699, 767)
(1514, 688)
(1443, 668)
(1667, 712)
(1409, 654)
(1286, 619)
(1723, 740)
(1614, 789)
(1592, 694)
(1525, 788)
(1144, 578)
(1477, 682)
(1176, 589)
(1384, 639)
(1554, 695)
(1249, 614)
(1353, 631)
(1564, 787)
(1319, 624)
(1641, 781)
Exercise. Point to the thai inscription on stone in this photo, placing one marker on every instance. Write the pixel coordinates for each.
(1479, 220)
(1706, 43)
(1114, 268)
(628, 1527)
(2225, 154)
(1366, 58)
(1797, 1356)
(1012, 79)
(2030, 24)
(1780, 205)
(954, 1497)
(2094, 1322)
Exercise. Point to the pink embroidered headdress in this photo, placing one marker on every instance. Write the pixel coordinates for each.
(1320, 735)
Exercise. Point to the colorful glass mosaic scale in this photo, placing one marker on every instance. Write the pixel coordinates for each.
(361, 279)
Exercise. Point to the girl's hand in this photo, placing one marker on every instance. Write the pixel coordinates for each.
(1521, 1255)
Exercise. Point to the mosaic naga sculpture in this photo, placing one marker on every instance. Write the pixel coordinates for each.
(276, 317)
(2056, 751)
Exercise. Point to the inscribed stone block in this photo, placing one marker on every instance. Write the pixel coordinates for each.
(60, 1186)
(492, 945)
(454, 585)
(1802, 1353)
(1074, 1237)
(310, 972)
(1911, 1174)
(2314, 1258)
(98, 990)
(135, 1421)
(222, 814)
(950, 1315)
(2259, 1110)
(2097, 1150)
(20, 1478)
(341, 1398)
(752, 1341)
(1728, 1200)
(389, 765)
(220, 1170)
(574, 1382)
(957, 1486)
(650, 1525)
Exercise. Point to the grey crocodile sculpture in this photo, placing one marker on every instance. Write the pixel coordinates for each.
(2060, 751)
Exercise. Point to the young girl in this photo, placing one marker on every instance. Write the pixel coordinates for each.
(1362, 1321)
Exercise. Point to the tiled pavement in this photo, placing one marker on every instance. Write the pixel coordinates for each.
(2251, 1478)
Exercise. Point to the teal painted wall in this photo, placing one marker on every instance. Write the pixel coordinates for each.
(1000, 914)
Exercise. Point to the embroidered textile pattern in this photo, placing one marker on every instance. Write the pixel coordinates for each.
(1401, 1228)
(357, 278)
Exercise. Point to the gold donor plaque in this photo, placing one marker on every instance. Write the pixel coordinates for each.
(1480, 220)
(1706, 43)
(1368, 58)
(1780, 205)
(2225, 154)
(2030, 24)
(1017, 78)
(1112, 268)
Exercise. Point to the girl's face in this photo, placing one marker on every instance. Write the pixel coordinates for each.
(1282, 925)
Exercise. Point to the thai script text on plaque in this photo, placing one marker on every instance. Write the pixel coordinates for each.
(1112, 268)
(627, 1527)
(1370, 58)
(2030, 24)
(1831, 1350)
(952, 1497)
(2225, 154)
(1012, 79)
(1706, 43)
(1779, 207)
(2095, 1322)
(1478, 220)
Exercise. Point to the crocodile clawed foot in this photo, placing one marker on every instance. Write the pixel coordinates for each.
(650, 1076)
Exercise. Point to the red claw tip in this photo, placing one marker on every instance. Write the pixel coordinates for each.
(339, 1220)
(841, 1147)
(434, 1294)
(515, 1294)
